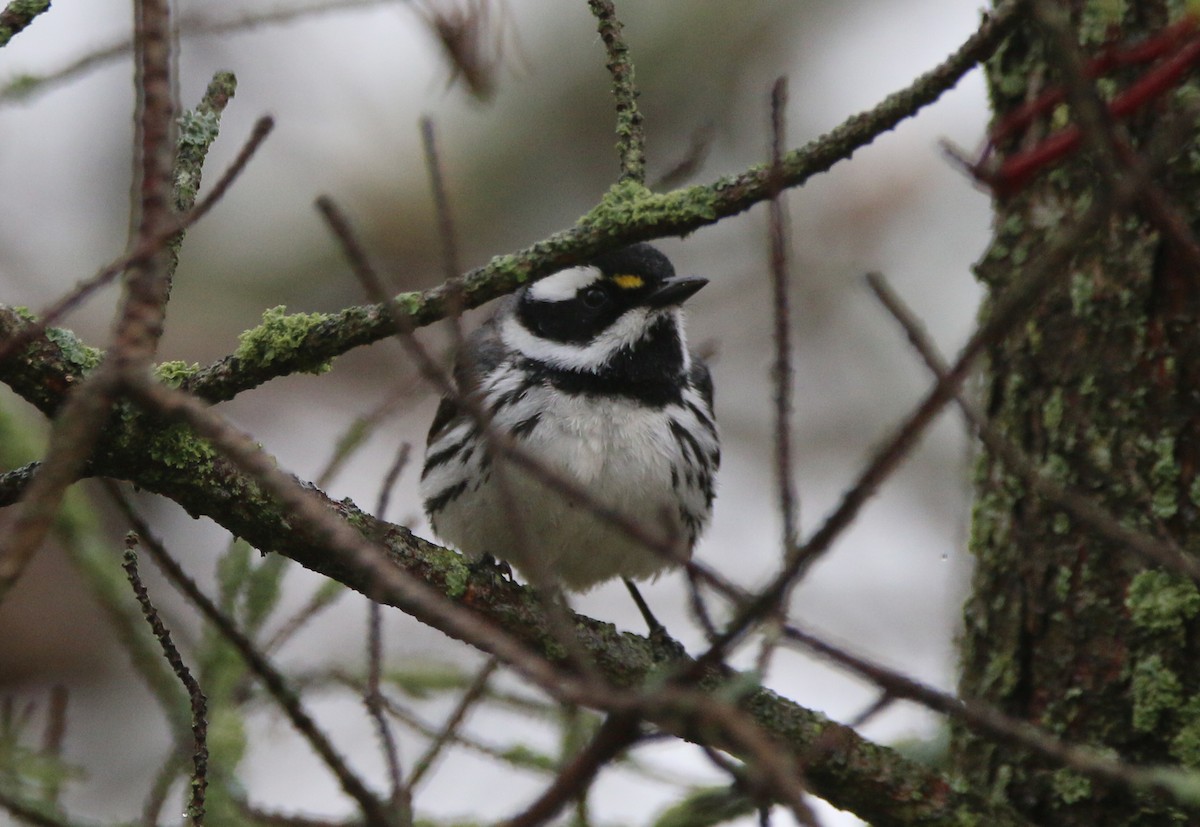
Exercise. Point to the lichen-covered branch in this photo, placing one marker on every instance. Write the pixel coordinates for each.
(17, 15)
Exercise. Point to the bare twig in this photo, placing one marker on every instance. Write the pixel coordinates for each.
(373, 700)
(450, 729)
(781, 372)
(470, 39)
(690, 162)
(399, 463)
(199, 703)
(615, 735)
(445, 221)
(631, 140)
(74, 432)
(356, 433)
(441, 200)
(373, 697)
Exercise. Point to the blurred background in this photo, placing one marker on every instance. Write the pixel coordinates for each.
(523, 156)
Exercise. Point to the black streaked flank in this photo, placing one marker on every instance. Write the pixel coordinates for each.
(438, 501)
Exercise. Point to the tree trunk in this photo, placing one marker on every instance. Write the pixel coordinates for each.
(1065, 628)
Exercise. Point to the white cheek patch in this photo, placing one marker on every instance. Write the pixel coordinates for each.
(623, 333)
(564, 285)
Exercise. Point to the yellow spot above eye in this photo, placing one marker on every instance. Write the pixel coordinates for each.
(629, 282)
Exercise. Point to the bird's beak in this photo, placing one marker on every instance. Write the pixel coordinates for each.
(675, 291)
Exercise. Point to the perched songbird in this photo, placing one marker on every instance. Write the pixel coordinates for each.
(589, 373)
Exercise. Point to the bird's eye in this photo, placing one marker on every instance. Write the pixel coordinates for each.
(594, 297)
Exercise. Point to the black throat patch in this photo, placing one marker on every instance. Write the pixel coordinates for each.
(651, 372)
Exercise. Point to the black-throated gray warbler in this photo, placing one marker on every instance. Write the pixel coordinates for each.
(588, 370)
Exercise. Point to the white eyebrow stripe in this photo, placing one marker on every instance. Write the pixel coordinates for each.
(563, 285)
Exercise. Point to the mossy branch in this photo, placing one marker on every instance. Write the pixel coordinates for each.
(17, 15)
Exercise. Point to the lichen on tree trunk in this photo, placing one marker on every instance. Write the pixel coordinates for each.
(1101, 389)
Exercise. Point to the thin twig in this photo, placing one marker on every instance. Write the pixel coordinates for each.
(691, 160)
(357, 432)
(445, 222)
(631, 140)
(321, 599)
(399, 463)
(781, 372)
(615, 735)
(373, 697)
(450, 729)
(199, 703)
(75, 430)
(441, 200)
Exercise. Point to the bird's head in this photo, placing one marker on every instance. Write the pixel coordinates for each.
(587, 318)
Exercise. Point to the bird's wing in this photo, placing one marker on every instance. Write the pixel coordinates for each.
(482, 351)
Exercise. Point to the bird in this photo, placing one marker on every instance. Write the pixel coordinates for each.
(588, 374)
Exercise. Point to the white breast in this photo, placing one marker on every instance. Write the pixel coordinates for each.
(622, 453)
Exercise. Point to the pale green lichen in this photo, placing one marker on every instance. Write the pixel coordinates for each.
(1071, 787)
(1182, 785)
(173, 373)
(1099, 18)
(75, 351)
(279, 336)
(1161, 603)
(1082, 289)
(1061, 524)
(410, 303)
(1057, 468)
(456, 576)
(1062, 582)
(1185, 743)
(1052, 410)
(175, 446)
(628, 202)
(1033, 336)
(1157, 691)
(1164, 477)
